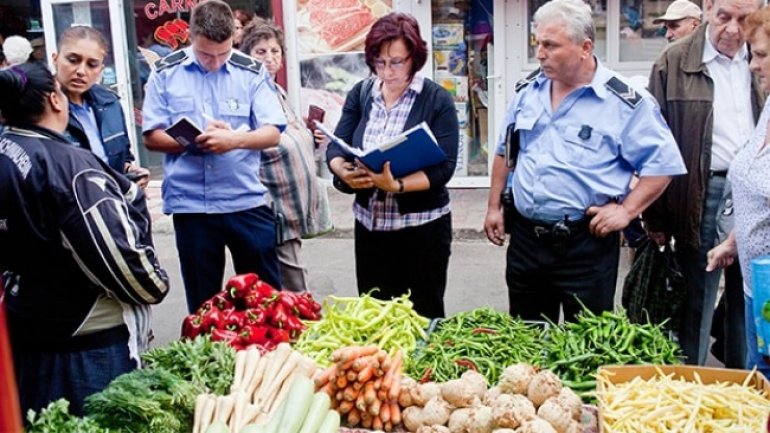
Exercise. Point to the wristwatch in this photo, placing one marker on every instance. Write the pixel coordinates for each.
(400, 185)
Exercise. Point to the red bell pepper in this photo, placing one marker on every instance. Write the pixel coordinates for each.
(265, 292)
(192, 326)
(254, 316)
(289, 300)
(224, 335)
(278, 335)
(222, 301)
(240, 285)
(307, 312)
(254, 334)
(308, 298)
(277, 315)
(213, 319)
(234, 320)
(294, 326)
(252, 300)
(206, 307)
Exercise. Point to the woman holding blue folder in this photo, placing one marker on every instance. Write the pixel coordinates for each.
(403, 229)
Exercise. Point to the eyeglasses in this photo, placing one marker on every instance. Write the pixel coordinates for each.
(395, 64)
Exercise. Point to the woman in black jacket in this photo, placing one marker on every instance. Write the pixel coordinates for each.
(77, 254)
(403, 228)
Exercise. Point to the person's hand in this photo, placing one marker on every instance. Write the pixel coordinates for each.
(320, 138)
(351, 174)
(720, 257)
(494, 226)
(607, 219)
(660, 238)
(218, 138)
(385, 180)
(142, 173)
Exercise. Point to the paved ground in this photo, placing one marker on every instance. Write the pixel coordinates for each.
(476, 268)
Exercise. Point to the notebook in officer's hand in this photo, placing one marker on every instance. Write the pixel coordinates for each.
(184, 131)
(412, 150)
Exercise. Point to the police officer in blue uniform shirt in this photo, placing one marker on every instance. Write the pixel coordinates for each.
(575, 133)
(211, 186)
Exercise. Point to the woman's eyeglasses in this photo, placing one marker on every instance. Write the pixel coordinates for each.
(394, 64)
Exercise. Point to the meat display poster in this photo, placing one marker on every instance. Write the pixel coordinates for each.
(330, 44)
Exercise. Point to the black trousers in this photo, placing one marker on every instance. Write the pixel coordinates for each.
(201, 240)
(542, 278)
(415, 258)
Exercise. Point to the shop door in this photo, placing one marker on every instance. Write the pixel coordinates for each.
(467, 42)
(107, 17)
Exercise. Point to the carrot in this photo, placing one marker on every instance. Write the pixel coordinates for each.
(378, 383)
(343, 367)
(376, 423)
(345, 406)
(350, 393)
(354, 417)
(385, 412)
(361, 402)
(357, 386)
(362, 362)
(342, 382)
(395, 388)
(395, 413)
(366, 419)
(324, 377)
(350, 353)
(388, 426)
(382, 395)
(351, 375)
(387, 380)
(366, 374)
(374, 408)
(339, 395)
(369, 393)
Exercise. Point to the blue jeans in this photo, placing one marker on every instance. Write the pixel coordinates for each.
(702, 286)
(753, 357)
(43, 377)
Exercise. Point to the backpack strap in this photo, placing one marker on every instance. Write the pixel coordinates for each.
(366, 93)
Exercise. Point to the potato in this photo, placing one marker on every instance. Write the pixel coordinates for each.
(544, 385)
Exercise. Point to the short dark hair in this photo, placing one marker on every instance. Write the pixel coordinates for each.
(25, 88)
(76, 33)
(391, 27)
(261, 31)
(212, 19)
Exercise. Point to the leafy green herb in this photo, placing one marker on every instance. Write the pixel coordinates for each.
(205, 363)
(56, 418)
(147, 400)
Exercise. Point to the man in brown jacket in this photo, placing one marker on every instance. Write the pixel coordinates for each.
(711, 104)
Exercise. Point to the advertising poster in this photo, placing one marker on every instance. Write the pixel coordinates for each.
(330, 43)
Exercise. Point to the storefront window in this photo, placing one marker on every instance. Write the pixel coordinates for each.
(462, 41)
(599, 8)
(640, 38)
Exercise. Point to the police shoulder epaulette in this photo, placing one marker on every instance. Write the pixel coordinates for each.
(246, 62)
(172, 59)
(624, 92)
(524, 82)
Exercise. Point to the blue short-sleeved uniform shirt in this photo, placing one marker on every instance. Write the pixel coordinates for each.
(585, 152)
(240, 93)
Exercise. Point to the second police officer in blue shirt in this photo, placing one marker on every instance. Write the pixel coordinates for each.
(213, 189)
(582, 133)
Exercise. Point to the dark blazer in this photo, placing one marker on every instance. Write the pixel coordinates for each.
(434, 105)
(112, 127)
